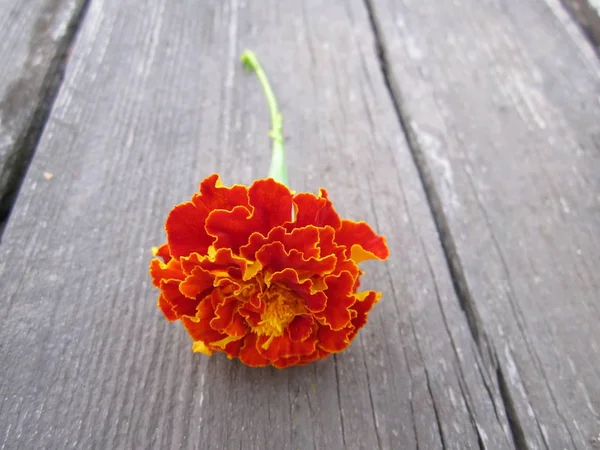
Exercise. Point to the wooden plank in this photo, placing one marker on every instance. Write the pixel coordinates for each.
(587, 13)
(501, 102)
(34, 37)
(154, 99)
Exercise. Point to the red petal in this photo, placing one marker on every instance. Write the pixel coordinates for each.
(180, 304)
(272, 203)
(304, 240)
(361, 241)
(300, 328)
(224, 313)
(185, 224)
(314, 301)
(233, 348)
(231, 228)
(215, 196)
(165, 307)
(238, 327)
(160, 271)
(163, 252)
(362, 308)
(313, 210)
(224, 263)
(283, 347)
(274, 258)
(185, 230)
(197, 283)
(334, 341)
(249, 354)
(340, 297)
(201, 331)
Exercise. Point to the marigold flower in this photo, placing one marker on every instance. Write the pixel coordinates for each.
(265, 275)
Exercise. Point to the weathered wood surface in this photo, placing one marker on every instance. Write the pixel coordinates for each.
(587, 13)
(34, 37)
(501, 100)
(154, 98)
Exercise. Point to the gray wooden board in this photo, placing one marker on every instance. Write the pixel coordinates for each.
(33, 37)
(587, 13)
(501, 100)
(154, 99)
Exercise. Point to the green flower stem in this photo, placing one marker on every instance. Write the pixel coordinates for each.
(278, 168)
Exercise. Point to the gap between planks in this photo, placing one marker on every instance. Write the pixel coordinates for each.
(26, 143)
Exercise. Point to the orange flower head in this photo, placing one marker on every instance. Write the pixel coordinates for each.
(264, 275)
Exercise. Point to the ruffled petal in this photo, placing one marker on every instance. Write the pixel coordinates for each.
(162, 252)
(166, 308)
(224, 313)
(274, 258)
(364, 304)
(361, 241)
(304, 240)
(201, 331)
(185, 230)
(198, 283)
(272, 205)
(180, 304)
(249, 354)
(334, 341)
(160, 271)
(340, 298)
(230, 228)
(313, 210)
(301, 327)
(213, 195)
(274, 348)
(314, 300)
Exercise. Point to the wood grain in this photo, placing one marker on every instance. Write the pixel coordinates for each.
(501, 102)
(34, 37)
(587, 14)
(154, 99)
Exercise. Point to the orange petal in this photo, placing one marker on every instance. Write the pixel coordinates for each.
(232, 229)
(237, 327)
(197, 283)
(213, 195)
(170, 271)
(304, 240)
(166, 308)
(361, 241)
(282, 346)
(313, 210)
(334, 341)
(162, 252)
(249, 354)
(223, 262)
(340, 297)
(272, 203)
(224, 314)
(364, 304)
(300, 328)
(314, 301)
(180, 304)
(185, 230)
(233, 348)
(274, 258)
(201, 331)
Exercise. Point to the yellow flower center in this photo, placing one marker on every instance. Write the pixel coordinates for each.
(281, 306)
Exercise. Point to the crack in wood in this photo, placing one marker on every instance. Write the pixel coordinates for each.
(21, 154)
(455, 268)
